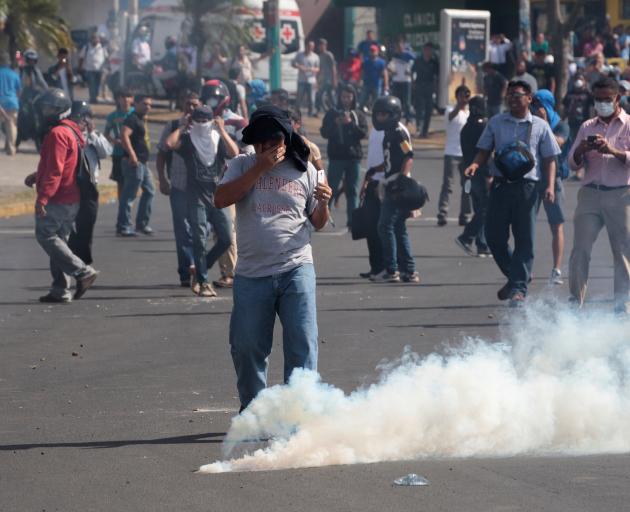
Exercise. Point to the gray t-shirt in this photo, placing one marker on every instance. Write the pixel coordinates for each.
(311, 61)
(273, 230)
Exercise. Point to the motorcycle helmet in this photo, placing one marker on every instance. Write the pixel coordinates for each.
(392, 107)
(216, 95)
(80, 110)
(51, 107)
(31, 55)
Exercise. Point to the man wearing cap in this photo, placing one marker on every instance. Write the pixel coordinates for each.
(602, 147)
(278, 201)
(205, 145)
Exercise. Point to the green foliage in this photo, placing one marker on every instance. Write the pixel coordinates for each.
(214, 21)
(35, 24)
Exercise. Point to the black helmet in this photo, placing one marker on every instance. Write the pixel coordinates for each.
(216, 95)
(391, 106)
(51, 106)
(31, 55)
(80, 110)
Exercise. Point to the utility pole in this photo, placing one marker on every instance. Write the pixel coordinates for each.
(525, 28)
(271, 15)
(133, 14)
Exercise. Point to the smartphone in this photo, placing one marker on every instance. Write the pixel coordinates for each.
(591, 139)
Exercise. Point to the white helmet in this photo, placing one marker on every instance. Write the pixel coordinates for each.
(548, 59)
(30, 54)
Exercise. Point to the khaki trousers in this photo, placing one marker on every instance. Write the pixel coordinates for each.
(597, 209)
(227, 261)
(10, 130)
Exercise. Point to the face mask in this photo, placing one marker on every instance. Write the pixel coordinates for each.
(604, 108)
(578, 84)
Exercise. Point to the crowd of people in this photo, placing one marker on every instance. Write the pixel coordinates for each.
(260, 187)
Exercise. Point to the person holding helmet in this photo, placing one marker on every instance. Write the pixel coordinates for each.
(96, 147)
(397, 159)
(216, 95)
(58, 195)
(205, 145)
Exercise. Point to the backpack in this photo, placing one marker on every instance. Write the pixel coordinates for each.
(88, 164)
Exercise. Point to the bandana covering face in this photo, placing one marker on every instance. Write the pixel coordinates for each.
(268, 120)
(206, 141)
(546, 99)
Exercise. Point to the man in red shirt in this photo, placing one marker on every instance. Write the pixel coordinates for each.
(58, 196)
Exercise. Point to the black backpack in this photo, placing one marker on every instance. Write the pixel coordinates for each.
(88, 164)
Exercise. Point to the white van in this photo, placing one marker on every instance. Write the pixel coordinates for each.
(166, 18)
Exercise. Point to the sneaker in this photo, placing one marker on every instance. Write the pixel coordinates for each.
(484, 253)
(442, 221)
(517, 300)
(366, 275)
(414, 277)
(556, 276)
(505, 291)
(126, 233)
(224, 282)
(466, 247)
(49, 298)
(84, 284)
(463, 222)
(195, 287)
(574, 303)
(206, 291)
(146, 230)
(386, 277)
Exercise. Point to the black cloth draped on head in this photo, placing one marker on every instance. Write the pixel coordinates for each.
(265, 123)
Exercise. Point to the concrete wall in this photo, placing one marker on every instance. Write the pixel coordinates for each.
(81, 14)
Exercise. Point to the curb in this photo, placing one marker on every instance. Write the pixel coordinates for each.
(25, 207)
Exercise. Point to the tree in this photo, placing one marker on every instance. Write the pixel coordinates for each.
(34, 24)
(560, 28)
(220, 27)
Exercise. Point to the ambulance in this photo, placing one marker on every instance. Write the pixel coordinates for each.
(166, 18)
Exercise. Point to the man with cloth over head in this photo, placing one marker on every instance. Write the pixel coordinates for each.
(278, 202)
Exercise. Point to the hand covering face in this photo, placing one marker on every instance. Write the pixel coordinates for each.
(267, 121)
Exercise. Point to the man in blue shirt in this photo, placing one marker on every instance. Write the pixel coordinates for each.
(9, 104)
(513, 203)
(365, 45)
(375, 78)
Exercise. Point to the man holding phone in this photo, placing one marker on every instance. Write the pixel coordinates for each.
(602, 147)
(278, 200)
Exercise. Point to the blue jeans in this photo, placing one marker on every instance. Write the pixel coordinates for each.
(290, 295)
(349, 171)
(181, 228)
(369, 93)
(134, 178)
(392, 231)
(513, 205)
(94, 84)
(199, 215)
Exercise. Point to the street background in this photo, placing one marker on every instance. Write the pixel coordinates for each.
(112, 402)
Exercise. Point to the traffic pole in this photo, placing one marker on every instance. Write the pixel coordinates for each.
(273, 38)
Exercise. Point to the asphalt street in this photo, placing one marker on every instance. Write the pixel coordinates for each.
(112, 402)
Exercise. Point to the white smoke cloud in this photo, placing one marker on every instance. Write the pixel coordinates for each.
(557, 383)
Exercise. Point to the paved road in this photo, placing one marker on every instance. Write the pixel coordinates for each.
(98, 399)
